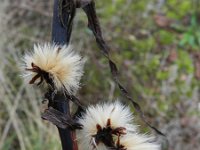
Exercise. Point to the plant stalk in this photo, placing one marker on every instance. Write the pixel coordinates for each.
(60, 37)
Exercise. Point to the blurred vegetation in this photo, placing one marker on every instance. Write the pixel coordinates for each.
(155, 43)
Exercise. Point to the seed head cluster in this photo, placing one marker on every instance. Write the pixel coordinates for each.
(107, 126)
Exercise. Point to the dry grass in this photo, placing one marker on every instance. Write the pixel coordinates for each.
(19, 104)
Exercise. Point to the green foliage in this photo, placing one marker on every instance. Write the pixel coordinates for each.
(184, 62)
(191, 37)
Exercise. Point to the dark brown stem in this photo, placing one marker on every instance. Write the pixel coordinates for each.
(61, 35)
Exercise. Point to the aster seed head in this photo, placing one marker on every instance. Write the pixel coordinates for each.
(59, 66)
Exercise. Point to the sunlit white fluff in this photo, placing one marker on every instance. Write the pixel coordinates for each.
(64, 65)
(135, 141)
(119, 115)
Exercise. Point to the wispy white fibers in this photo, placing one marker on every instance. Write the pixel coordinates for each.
(136, 141)
(64, 66)
(106, 118)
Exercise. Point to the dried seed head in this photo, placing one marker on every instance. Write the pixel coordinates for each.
(103, 122)
(58, 65)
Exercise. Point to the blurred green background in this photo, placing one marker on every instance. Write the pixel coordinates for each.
(155, 44)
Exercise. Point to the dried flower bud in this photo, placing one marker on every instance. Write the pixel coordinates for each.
(58, 65)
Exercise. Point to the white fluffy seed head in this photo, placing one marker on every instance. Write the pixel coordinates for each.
(119, 115)
(135, 141)
(64, 66)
